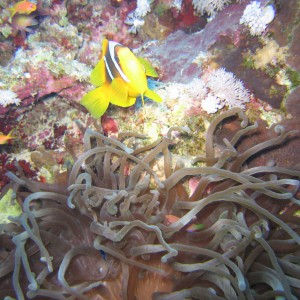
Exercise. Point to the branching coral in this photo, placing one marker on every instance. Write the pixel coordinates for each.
(105, 233)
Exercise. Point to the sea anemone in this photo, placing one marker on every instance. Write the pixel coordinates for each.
(107, 233)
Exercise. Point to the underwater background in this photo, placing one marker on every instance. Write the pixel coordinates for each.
(194, 195)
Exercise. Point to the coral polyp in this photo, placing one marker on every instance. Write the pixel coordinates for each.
(104, 233)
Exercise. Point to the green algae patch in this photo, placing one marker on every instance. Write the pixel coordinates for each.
(294, 77)
(8, 207)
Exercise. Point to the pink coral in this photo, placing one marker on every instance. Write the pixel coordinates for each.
(109, 125)
(41, 83)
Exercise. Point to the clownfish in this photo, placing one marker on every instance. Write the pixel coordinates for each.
(22, 7)
(120, 77)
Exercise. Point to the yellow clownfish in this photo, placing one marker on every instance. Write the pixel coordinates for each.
(120, 78)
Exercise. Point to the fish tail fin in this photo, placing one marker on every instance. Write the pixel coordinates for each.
(152, 95)
(10, 135)
(12, 12)
(95, 102)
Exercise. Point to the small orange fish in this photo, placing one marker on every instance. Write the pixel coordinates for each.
(5, 138)
(170, 219)
(23, 7)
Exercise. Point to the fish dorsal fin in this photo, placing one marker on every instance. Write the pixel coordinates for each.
(96, 102)
(149, 70)
(119, 93)
(98, 74)
(105, 43)
(153, 96)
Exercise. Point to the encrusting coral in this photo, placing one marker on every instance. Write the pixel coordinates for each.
(107, 232)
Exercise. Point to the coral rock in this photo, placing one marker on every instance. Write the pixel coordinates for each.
(181, 66)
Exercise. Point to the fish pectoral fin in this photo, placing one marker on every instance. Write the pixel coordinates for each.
(98, 74)
(149, 70)
(119, 93)
(95, 102)
(153, 96)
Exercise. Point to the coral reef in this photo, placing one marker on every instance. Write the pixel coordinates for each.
(48, 68)
(182, 66)
(214, 90)
(210, 7)
(106, 232)
(122, 216)
(270, 54)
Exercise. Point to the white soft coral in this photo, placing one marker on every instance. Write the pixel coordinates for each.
(142, 7)
(135, 18)
(135, 22)
(211, 7)
(224, 89)
(8, 97)
(257, 18)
